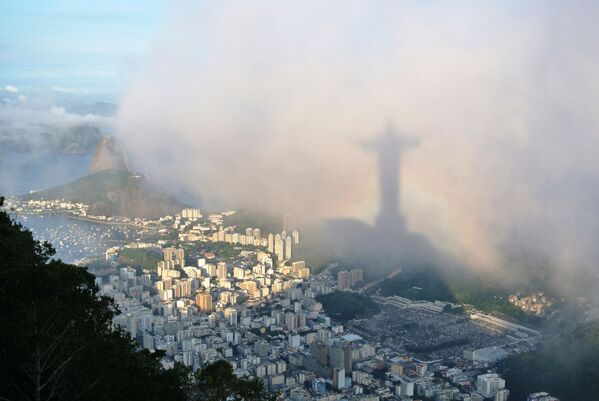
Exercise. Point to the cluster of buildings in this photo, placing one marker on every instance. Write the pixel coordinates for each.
(280, 245)
(260, 311)
(262, 314)
(349, 279)
(280, 333)
(490, 385)
(46, 206)
(80, 211)
(536, 303)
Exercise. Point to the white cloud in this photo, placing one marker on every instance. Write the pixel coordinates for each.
(11, 89)
(61, 89)
(502, 95)
(57, 110)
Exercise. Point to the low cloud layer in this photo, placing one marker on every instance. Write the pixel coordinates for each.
(39, 122)
(268, 104)
(46, 137)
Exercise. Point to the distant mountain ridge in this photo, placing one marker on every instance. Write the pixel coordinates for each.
(116, 193)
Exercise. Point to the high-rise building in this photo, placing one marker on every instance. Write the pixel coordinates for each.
(406, 387)
(357, 275)
(295, 236)
(319, 351)
(301, 319)
(489, 384)
(168, 253)
(340, 356)
(231, 316)
(279, 250)
(221, 271)
(271, 243)
(204, 301)
(291, 321)
(173, 254)
(287, 253)
(210, 269)
(225, 297)
(191, 214)
(337, 357)
(343, 280)
(257, 233)
(338, 378)
(239, 273)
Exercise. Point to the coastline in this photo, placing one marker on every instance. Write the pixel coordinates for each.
(40, 213)
(113, 223)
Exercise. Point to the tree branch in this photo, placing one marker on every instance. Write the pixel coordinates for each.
(62, 366)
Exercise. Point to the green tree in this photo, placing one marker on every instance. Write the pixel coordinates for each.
(217, 382)
(57, 341)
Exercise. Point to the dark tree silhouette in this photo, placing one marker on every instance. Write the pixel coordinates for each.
(217, 382)
(57, 341)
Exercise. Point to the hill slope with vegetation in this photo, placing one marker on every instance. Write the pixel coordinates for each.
(567, 366)
(115, 193)
(345, 306)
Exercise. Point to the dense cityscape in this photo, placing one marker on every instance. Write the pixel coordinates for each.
(252, 304)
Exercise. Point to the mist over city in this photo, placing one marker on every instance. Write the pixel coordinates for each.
(337, 200)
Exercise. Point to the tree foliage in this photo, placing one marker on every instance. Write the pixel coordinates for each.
(217, 382)
(57, 341)
(348, 305)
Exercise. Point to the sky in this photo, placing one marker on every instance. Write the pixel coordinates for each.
(91, 46)
(267, 104)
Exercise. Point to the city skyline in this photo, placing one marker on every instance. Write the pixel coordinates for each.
(306, 200)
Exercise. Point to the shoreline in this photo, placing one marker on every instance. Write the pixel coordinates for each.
(98, 221)
(70, 215)
(39, 213)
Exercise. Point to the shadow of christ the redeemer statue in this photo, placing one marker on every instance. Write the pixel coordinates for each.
(388, 148)
(388, 244)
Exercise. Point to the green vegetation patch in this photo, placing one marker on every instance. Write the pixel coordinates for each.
(345, 306)
(424, 284)
(567, 366)
(143, 258)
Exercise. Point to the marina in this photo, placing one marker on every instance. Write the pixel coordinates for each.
(77, 239)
